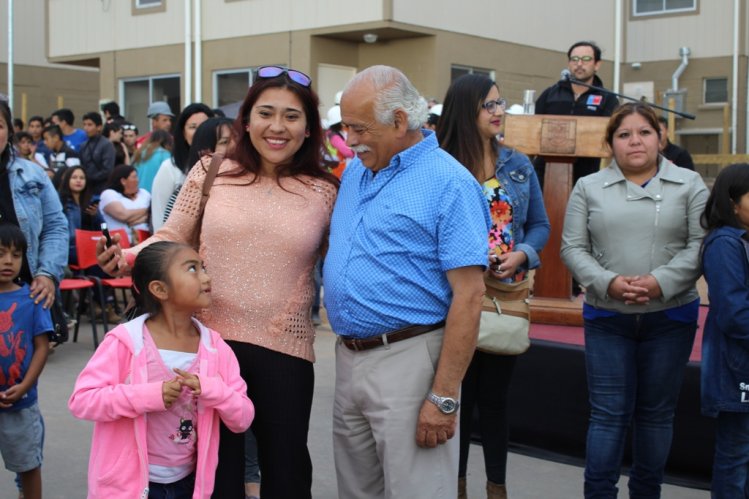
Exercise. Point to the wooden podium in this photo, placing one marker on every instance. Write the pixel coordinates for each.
(560, 140)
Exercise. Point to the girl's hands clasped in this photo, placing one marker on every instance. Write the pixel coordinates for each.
(171, 390)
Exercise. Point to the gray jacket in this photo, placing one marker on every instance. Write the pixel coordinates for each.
(613, 226)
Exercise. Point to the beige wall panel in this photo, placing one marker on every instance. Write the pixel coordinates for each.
(414, 56)
(553, 25)
(708, 33)
(249, 17)
(86, 27)
(109, 24)
(517, 67)
(149, 62)
(43, 86)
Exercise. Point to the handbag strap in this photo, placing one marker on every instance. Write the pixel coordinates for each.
(210, 176)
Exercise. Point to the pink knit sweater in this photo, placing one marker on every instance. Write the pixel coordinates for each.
(259, 243)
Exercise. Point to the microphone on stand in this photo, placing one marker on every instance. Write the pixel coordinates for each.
(565, 75)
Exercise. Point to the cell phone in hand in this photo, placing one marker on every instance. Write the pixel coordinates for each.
(105, 231)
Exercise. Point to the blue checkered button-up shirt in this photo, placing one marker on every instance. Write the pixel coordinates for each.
(394, 236)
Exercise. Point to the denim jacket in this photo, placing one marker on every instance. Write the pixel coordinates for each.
(40, 217)
(530, 224)
(725, 343)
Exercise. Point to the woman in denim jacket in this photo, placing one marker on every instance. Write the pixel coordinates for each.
(468, 127)
(725, 344)
(36, 209)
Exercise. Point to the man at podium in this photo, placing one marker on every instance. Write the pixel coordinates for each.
(566, 97)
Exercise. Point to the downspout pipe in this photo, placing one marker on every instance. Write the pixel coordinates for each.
(684, 53)
(617, 44)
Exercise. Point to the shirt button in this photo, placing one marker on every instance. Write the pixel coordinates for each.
(657, 196)
(605, 183)
(521, 177)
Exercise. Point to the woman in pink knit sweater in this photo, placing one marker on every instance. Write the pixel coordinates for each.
(263, 228)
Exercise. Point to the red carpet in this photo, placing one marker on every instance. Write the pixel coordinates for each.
(574, 335)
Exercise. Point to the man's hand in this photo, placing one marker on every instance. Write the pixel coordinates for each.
(434, 428)
(43, 290)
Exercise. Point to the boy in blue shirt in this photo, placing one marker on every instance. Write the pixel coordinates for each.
(24, 345)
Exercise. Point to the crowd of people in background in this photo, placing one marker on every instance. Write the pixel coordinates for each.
(401, 208)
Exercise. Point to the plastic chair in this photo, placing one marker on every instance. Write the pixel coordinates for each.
(85, 242)
(142, 235)
(85, 287)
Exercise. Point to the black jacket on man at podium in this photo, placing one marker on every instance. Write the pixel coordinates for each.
(560, 99)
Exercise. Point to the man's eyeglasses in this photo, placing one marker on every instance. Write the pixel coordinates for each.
(584, 58)
(294, 75)
(492, 105)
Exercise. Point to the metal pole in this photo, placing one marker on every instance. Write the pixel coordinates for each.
(735, 78)
(10, 56)
(188, 55)
(198, 52)
(617, 44)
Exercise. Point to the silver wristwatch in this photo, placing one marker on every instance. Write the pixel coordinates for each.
(446, 405)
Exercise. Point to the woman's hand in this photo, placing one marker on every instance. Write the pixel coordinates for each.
(92, 209)
(111, 260)
(43, 291)
(629, 289)
(505, 266)
(651, 284)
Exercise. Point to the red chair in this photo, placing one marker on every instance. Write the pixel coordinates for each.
(142, 235)
(85, 242)
(85, 288)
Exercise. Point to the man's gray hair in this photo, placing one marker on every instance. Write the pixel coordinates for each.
(393, 91)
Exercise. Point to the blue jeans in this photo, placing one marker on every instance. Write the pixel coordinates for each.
(181, 489)
(731, 464)
(635, 365)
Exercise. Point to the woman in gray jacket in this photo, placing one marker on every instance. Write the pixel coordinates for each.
(632, 237)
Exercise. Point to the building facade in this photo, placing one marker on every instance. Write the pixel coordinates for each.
(141, 52)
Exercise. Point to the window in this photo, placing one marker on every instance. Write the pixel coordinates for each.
(147, 7)
(456, 71)
(230, 86)
(651, 7)
(137, 94)
(715, 91)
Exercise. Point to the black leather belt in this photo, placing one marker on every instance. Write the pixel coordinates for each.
(405, 333)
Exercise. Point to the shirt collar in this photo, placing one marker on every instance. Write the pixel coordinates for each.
(412, 154)
(667, 171)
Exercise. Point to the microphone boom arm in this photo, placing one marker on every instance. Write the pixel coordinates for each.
(622, 96)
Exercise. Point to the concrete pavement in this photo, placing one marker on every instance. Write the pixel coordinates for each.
(68, 439)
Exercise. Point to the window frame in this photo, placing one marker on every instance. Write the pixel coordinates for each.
(121, 93)
(704, 91)
(472, 70)
(664, 11)
(219, 72)
(138, 9)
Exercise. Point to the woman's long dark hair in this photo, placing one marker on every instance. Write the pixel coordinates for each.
(181, 149)
(151, 264)
(206, 137)
(7, 154)
(457, 130)
(730, 186)
(115, 178)
(67, 195)
(307, 160)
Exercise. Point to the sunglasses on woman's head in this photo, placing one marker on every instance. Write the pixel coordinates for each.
(275, 71)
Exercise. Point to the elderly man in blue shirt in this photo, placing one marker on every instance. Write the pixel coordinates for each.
(403, 287)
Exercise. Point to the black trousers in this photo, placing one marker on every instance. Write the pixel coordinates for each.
(281, 388)
(485, 386)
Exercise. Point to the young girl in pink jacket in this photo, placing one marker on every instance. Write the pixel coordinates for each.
(157, 386)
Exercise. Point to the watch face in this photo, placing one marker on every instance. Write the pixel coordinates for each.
(448, 406)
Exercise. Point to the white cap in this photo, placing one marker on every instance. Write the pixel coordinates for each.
(334, 115)
(436, 109)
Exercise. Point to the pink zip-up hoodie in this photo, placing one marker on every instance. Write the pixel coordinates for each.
(114, 392)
